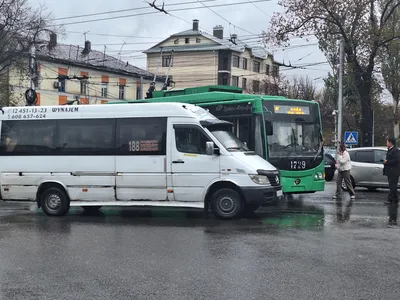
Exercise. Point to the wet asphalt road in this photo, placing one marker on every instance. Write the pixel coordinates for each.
(296, 250)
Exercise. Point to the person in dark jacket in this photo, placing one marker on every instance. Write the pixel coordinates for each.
(391, 169)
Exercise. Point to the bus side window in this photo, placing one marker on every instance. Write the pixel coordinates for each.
(141, 136)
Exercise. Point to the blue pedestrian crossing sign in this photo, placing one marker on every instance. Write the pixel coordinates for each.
(351, 137)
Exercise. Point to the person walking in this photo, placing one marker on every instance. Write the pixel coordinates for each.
(391, 169)
(344, 168)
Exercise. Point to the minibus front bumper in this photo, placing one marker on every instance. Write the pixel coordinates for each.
(261, 195)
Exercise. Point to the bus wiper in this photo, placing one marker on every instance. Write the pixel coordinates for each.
(291, 145)
(319, 150)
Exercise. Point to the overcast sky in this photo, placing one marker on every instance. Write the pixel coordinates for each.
(141, 32)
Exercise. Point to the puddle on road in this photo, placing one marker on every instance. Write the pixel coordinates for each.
(302, 215)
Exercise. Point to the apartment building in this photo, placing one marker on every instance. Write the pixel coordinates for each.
(80, 75)
(196, 58)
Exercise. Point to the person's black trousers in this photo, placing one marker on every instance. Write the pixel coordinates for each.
(393, 181)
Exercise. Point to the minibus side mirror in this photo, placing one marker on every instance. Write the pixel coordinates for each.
(210, 150)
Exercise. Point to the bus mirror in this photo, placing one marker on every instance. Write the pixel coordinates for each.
(268, 128)
(210, 148)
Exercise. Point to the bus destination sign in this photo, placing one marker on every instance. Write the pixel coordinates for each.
(225, 110)
(291, 110)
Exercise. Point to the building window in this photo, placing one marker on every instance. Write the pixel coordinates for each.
(104, 89)
(235, 81)
(198, 40)
(122, 92)
(256, 67)
(245, 63)
(62, 82)
(84, 87)
(166, 60)
(236, 61)
(187, 40)
(256, 86)
(275, 71)
(176, 42)
(267, 69)
(244, 83)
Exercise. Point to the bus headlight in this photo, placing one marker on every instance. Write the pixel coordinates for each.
(319, 176)
(260, 179)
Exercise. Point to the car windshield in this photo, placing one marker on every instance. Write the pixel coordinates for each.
(229, 140)
(294, 138)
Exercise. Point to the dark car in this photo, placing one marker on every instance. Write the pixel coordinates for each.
(330, 167)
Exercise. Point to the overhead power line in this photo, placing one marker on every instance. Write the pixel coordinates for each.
(259, 8)
(124, 10)
(156, 12)
(230, 23)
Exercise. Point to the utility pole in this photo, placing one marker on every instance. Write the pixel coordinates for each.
(334, 113)
(340, 100)
(32, 63)
(30, 94)
(373, 128)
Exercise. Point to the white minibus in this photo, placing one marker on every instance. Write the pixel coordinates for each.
(157, 154)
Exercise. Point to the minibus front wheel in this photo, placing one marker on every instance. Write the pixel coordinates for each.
(227, 203)
(54, 202)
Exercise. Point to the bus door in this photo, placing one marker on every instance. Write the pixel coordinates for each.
(141, 163)
(191, 168)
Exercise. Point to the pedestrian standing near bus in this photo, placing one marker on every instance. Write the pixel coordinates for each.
(391, 169)
(344, 167)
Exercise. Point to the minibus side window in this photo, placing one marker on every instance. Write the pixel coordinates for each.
(141, 136)
(190, 140)
(33, 137)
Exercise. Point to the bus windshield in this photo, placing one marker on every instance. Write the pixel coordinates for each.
(296, 130)
(294, 138)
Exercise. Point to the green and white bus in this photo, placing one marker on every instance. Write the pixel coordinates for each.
(286, 132)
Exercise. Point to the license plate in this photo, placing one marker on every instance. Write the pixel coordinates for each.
(279, 193)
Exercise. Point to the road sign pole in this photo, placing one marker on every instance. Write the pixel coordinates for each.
(340, 99)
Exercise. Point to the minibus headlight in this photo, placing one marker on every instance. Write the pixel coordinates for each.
(260, 179)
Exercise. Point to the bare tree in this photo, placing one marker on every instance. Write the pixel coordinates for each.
(301, 88)
(362, 24)
(20, 27)
(297, 88)
(391, 68)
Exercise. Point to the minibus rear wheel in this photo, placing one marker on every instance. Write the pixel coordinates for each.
(54, 202)
(227, 203)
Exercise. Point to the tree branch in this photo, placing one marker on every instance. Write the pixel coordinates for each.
(391, 12)
(335, 20)
(388, 40)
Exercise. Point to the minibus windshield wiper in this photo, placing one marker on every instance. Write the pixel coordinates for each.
(238, 148)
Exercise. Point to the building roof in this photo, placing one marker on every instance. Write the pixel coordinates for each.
(220, 44)
(94, 59)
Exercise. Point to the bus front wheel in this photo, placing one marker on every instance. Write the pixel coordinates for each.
(54, 202)
(227, 203)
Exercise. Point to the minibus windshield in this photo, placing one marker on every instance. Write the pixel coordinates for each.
(229, 140)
